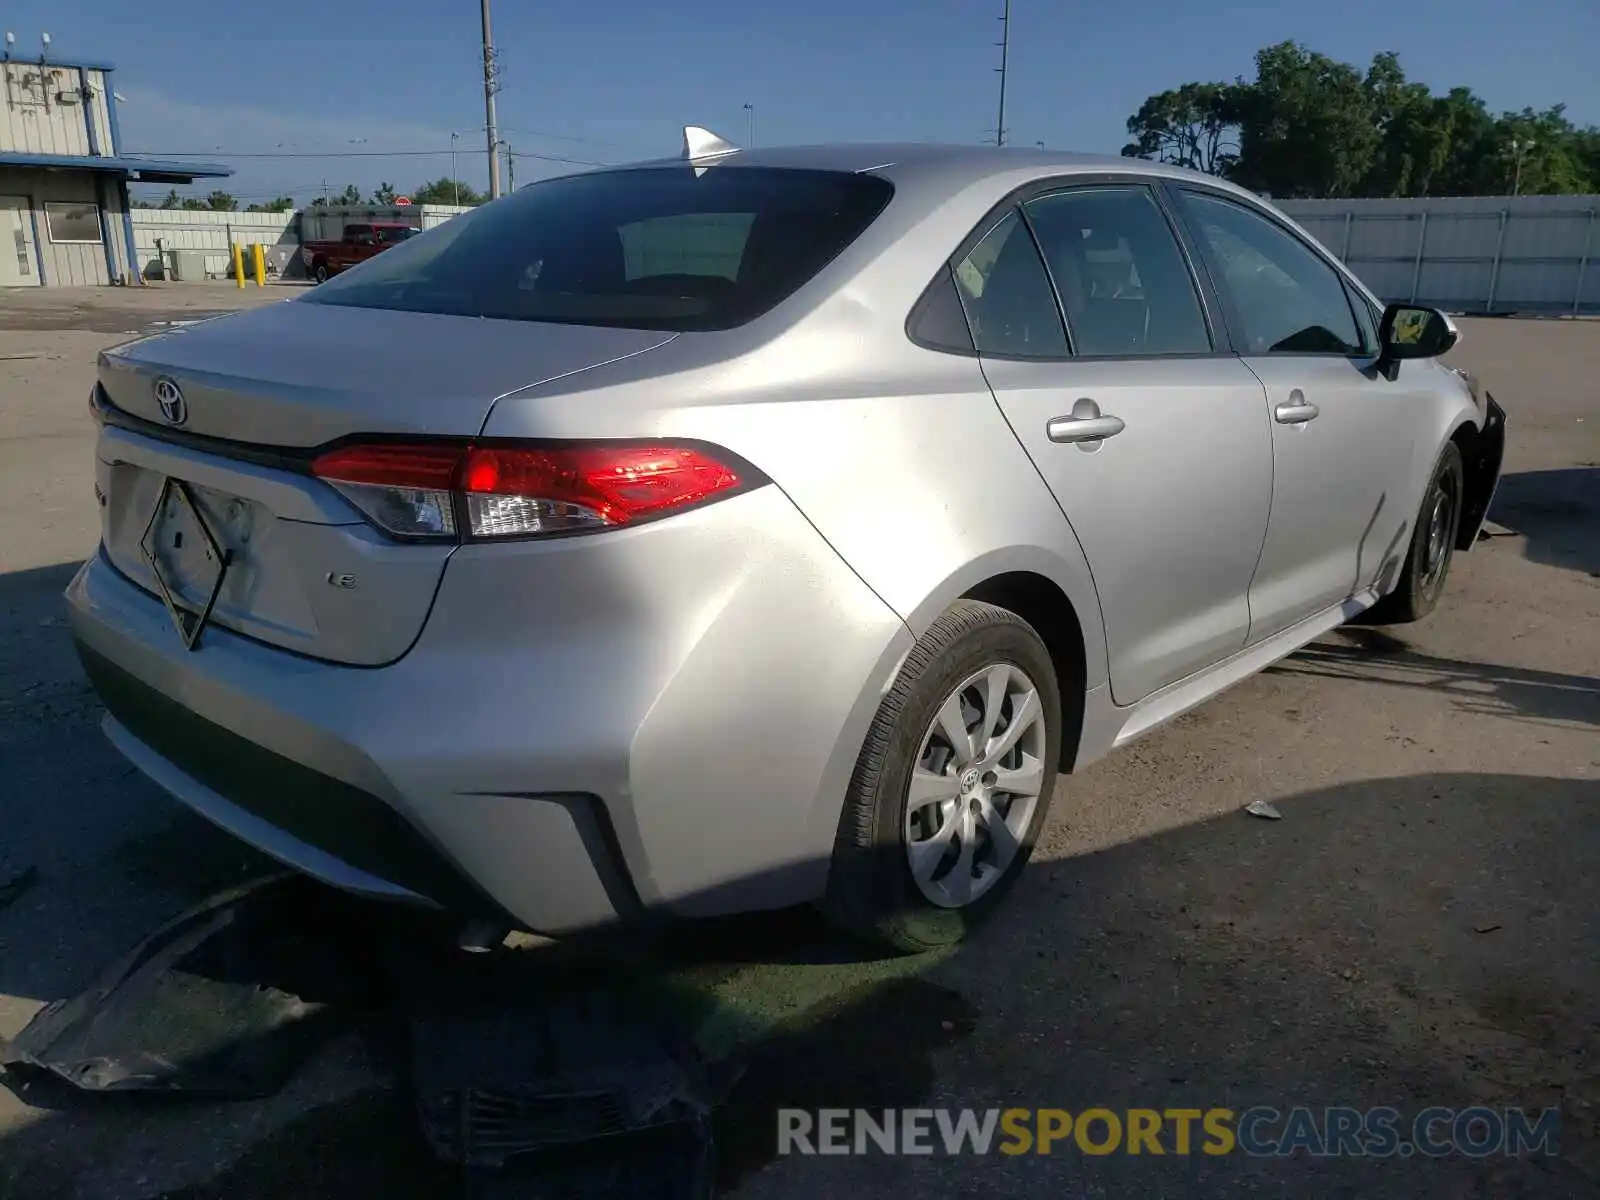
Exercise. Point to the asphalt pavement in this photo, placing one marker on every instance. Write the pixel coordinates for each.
(1420, 928)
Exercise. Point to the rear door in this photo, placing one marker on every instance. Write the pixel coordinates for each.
(1343, 436)
(1155, 444)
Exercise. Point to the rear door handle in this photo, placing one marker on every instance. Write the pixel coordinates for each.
(1297, 411)
(1086, 424)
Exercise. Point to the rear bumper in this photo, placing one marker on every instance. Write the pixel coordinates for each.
(660, 719)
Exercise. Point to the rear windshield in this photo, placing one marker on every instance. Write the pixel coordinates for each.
(652, 248)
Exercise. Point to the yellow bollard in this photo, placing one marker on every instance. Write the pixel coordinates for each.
(261, 264)
(238, 263)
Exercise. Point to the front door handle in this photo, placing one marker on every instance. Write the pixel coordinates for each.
(1086, 424)
(1297, 411)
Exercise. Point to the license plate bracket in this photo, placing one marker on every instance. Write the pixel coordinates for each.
(189, 623)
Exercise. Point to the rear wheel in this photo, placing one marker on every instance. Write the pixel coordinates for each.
(319, 272)
(953, 784)
(1433, 544)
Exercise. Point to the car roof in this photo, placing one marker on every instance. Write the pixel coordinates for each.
(952, 165)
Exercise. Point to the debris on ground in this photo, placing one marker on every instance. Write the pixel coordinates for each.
(224, 1000)
(1486, 928)
(574, 1092)
(531, 1081)
(17, 886)
(1264, 809)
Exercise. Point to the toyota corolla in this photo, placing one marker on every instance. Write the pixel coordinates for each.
(754, 528)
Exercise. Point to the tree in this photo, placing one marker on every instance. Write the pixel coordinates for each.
(445, 191)
(1195, 126)
(221, 202)
(350, 196)
(384, 194)
(1415, 132)
(1310, 126)
(171, 200)
(282, 204)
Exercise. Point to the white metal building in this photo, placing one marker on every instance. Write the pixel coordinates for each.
(63, 181)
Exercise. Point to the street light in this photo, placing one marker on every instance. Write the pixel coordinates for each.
(750, 112)
(1519, 147)
(454, 179)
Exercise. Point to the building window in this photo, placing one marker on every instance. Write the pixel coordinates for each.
(73, 222)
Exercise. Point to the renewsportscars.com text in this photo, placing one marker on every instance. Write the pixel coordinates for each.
(1257, 1132)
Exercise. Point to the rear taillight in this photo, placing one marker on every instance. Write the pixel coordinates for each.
(442, 490)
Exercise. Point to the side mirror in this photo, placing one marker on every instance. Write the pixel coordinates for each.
(1411, 331)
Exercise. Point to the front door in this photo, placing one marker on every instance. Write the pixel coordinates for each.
(19, 262)
(1156, 448)
(1343, 436)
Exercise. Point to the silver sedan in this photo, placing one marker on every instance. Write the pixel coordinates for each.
(754, 528)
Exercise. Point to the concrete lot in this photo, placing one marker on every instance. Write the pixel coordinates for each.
(1420, 929)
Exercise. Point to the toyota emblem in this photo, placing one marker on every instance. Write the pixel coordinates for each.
(169, 398)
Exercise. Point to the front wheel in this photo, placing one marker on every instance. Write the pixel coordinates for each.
(319, 273)
(953, 784)
(1433, 544)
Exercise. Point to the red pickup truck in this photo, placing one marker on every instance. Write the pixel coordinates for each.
(359, 243)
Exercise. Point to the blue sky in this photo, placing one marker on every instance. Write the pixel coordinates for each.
(613, 80)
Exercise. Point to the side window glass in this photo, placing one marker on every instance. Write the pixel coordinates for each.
(1007, 297)
(1366, 320)
(1123, 281)
(1288, 300)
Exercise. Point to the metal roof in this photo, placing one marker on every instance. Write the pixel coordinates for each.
(74, 64)
(142, 170)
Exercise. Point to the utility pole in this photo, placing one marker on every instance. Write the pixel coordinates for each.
(455, 180)
(750, 111)
(490, 87)
(1005, 49)
(511, 169)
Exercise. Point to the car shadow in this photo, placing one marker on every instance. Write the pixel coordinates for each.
(1545, 697)
(1557, 511)
(1414, 941)
(99, 854)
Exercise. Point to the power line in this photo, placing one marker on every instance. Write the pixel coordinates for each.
(582, 162)
(558, 137)
(223, 154)
(286, 153)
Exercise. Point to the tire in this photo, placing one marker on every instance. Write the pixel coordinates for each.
(319, 272)
(872, 890)
(1433, 544)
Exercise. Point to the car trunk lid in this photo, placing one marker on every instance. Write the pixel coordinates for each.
(299, 375)
(217, 483)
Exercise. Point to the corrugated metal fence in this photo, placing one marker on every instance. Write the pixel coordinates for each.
(279, 233)
(212, 232)
(1473, 254)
